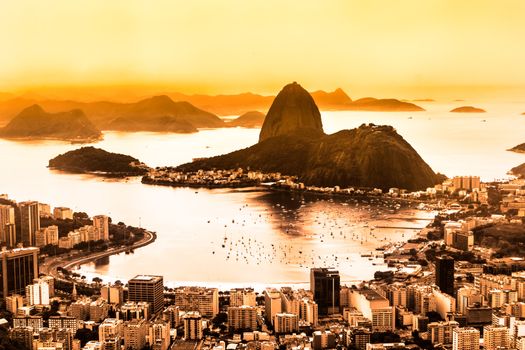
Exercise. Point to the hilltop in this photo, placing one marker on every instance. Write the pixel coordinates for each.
(34, 122)
(292, 142)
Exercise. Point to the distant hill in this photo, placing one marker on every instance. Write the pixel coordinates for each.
(292, 142)
(518, 171)
(337, 99)
(383, 105)
(96, 160)
(253, 119)
(34, 122)
(468, 109)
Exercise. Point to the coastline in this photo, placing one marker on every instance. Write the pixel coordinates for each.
(50, 266)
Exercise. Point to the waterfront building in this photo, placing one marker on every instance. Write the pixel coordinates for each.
(192, 326)
(29, 222)
(18, 268)
(445, 274)
(149, 289)
(466, 338)
(101, 224)
(325, 286)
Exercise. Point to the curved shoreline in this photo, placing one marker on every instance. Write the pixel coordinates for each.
(50, 267)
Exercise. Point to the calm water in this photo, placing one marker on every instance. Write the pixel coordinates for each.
(252, 237)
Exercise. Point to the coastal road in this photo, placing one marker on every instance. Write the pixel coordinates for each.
(50, 265)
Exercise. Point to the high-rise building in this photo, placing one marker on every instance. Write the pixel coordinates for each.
(110, 329)
(37, 293)
(441, 332)
(149, 289)
(496, 337)
(192, 326)
(29, 222)
(375, 308)
(10, 236)
(135, 332)
(101, 224)
(18, 268)
(63, 213)
(466, 338)
(7, 217)
(445, 274)
(201, 299)
(325, 286)
(272, 304)
(242, 317)
(113, 294)
(242, 296)
(286, 323)
(159, 335)
(64, 322)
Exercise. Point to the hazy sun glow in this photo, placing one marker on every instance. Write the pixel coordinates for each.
(408, 46)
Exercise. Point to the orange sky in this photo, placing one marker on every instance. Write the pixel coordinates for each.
(408, 47)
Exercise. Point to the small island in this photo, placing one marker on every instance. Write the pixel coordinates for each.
(91, 160)
(468, 109)
(252, 119)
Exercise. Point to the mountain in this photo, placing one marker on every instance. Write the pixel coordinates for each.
(518, 171)
(96, 160)
(331, 100)
(292, 142)
(467, 109)
(34, 122)
(383, 105)
(252, 119)
(292, 111)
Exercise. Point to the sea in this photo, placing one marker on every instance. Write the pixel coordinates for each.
(254, 237)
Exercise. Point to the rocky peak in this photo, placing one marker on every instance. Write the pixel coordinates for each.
(292, 110)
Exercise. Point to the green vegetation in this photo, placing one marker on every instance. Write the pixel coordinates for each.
(505, 239)
(95, 160)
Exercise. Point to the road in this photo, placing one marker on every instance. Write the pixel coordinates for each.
(50, 265)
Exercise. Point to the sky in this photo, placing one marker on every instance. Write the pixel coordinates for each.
(404, 47)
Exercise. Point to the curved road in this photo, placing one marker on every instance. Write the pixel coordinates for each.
(50, 265)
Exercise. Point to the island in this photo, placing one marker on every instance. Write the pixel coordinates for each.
(383, 105)
(467, 109)
(35, 123)
(252, 119)
(518, 171)
(93, 160)
(292, 142)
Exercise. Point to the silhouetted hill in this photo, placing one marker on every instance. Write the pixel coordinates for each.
(292, 111)
(383, 105)
(518, 171)
(34, 122)
(468, 109)
(96, 160)
(253, 119)
(331, 100)
(292, 142)
(518, 149)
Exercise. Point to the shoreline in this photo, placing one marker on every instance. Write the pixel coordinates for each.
(50, 266)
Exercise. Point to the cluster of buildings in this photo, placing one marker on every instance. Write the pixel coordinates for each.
(209, 178)
(31, 233)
